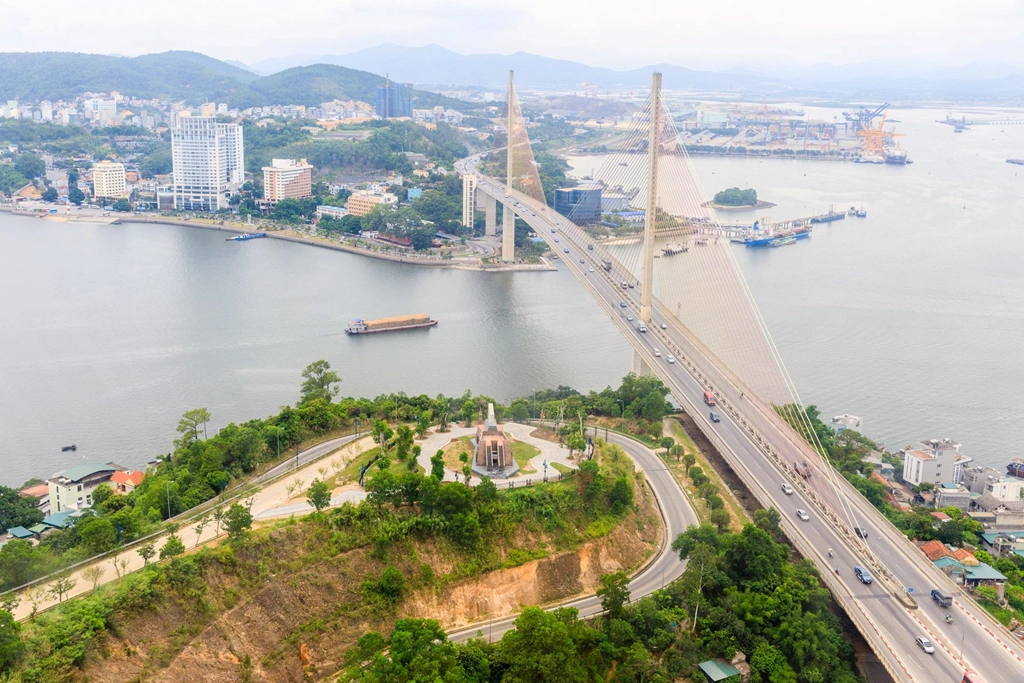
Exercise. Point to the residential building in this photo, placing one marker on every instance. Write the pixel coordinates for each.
(1005, 489)
(414, 193)
(41, 494)
(935, 461)
(362, 202)
(208, 162)
(843, 422)
(59, 181)
(287, 179)
(100, 111)
(208, 109)
(108, 180)
(394, 100)
(336, 212)
(1005, 513)
(976, 479)
(46, 110)
(952, 495)
(127, 481)
(579, 204)
(72, 489)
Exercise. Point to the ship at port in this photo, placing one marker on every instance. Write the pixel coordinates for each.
(768, 239)
(395, 324)
(1015, 467)
(247, 236)
(880, 145)
(894, 154)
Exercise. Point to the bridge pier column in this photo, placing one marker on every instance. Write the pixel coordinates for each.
(639, 366)
(508, 233)
(470, 194)
(491, 211)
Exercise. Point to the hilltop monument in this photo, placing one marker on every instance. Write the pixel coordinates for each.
(493, 449)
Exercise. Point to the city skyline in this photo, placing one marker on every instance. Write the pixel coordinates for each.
(911, 34)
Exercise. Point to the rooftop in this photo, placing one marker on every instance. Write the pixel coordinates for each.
(718, 669)
(79, 472)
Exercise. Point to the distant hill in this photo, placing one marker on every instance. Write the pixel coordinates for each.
(435, 65)
(187, 76)
(311, 85)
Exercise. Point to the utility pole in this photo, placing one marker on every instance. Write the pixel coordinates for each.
(646, 291)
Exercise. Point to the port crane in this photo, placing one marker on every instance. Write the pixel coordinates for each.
(875, 138)
(863, 117)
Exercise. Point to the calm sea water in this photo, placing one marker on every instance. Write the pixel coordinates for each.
(912, 318)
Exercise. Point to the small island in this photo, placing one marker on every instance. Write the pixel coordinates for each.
(736, 199)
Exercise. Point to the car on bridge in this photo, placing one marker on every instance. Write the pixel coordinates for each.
(556, 239)
(925, 645)
(629, 317)
(714, 417)
(622, 303)
(566, 251)
(861, 532)
(657, 353)
(802, 514)
(862, 574)
(584, 261)
(591, 270)
(787, 489)
(671, 359)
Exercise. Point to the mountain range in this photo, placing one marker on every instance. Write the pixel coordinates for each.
(435, 66)
(186, 76)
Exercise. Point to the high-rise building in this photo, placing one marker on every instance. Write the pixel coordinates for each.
(108, 180)
(208, 162)
(287, 179)
(579, 204)
(394, 100)
(103, 112)
(46, 110)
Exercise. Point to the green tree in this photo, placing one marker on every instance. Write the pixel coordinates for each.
(541, 648)
(50, 195)
(734, 196)
(12, 648)
(62, 586)
(437, 465)
(17, 510)
(319, 495)
(75, 195)
(237, 520)
(614, 594)
(30, 166)
(189, 424)
(122, 205)
(720, 518)
(147, 552)
(318, 382)
(403, 442)
(172, 547)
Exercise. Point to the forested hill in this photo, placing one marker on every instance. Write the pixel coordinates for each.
(65, 75)
(187, 76)
(311, 85)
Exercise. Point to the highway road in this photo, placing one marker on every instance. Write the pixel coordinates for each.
(973, 641)
(677, 513)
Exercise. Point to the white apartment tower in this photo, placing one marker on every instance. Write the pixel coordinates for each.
(208, 161)
(108, 180)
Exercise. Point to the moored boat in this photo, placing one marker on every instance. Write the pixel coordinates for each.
(395, 324)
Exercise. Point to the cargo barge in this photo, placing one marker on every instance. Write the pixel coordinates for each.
(396, 324)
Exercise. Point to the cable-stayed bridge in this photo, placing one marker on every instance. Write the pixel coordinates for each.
(693, 322)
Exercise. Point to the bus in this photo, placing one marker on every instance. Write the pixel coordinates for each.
(971, 677)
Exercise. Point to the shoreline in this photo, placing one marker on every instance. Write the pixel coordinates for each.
(290, 236)
(743, 207)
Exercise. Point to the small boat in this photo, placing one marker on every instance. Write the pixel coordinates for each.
(246, 236)
(72, 447)
(782, 241)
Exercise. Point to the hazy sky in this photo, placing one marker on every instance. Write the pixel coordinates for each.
(625, 34)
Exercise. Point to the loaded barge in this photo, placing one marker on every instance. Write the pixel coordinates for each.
(396, 324)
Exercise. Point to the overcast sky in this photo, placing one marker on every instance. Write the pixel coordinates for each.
(625, 34)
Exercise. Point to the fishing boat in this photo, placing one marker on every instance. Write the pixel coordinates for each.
(72, 447)
(1016, 467)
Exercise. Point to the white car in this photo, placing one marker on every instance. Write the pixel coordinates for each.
(925, 645)
(629, 317)
(671, 359)
(802, 514)
(664, 326)
(591, 270)
(787, 489)
(657, 353)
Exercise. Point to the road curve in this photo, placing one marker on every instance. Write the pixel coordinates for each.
(677, 514)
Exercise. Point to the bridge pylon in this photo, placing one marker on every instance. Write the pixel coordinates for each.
(650, 214)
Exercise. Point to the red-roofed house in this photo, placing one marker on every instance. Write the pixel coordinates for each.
(965, 557)
(941, 516)
(126, 482)
(935, 549)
